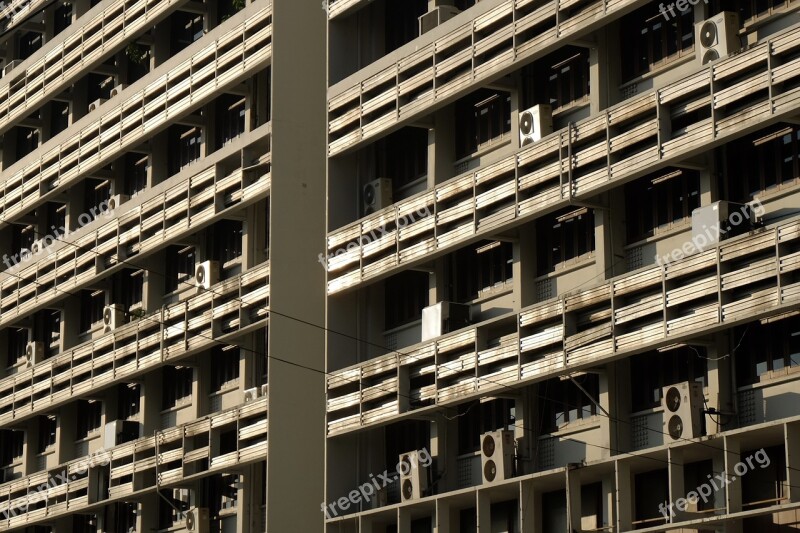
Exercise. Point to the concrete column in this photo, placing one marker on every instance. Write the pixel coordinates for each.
(442, 523)
(733, 490)
(441, 147)
(574, 511)
(677, 485)
(484, 508)
(624, 503)
(601, 70)
(793, 461)
(527, 504)
(524, 268)
(297, 283)
(150, 407)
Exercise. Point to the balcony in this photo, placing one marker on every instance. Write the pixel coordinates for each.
(437, 71)
(71, 57)
(122, 123)
(741, 280)
(166, 213)
(756, 87)
(229, 309)
(171, 456)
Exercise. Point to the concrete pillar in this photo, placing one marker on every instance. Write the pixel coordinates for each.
(484, 506)
(442, 147)
(601, 70)
(733, 490)
(624, 503)
(793, 461)
(527, 503)
(574, 511)
(677, 485)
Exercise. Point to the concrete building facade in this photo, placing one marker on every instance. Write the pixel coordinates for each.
(563, 266)
(149, 222)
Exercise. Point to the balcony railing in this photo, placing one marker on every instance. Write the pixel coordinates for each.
(229, 309)
(124, 122)
(17, 10)
(184, 208)
(740, 280)
(758, 86)
(171, 456)
(513, 33)
(57, 67)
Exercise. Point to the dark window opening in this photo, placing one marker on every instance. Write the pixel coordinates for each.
(402, 21)
(185, 143)
(177, 386)
(12, 446)
(89, 418)
(765, 348)
(406, 295)
(231, 114)
(180, 267)
(225, 367)
(226, 240)
(482, 118)
(136, 170)
(92, 304)
(477, 418)
(403, 156)
(660, 200)
(27, 141)
(99, 86)
(96, 193)
(564, 237)
(17, 344)
(48, 425)
(560, 80)
(480, 268)
(749, 10)
(652, 371)
(186, 29)
(59, 117)
(650, 41)
(563, 402)
(29, 43)
(129, 397)
(62, 17)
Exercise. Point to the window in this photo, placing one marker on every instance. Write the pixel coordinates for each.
(177, 386)
(28, 44)
(231, 114)
(480, 268)
(767, 160)
(560, 80)
(565, 237)
(406, 295)
(402, 21)
(62, 17)
(59, 117)
(563, 402)
(27, 141)
(649, 41)
(100, 86)
(660, 200)
(749, 10)
(180, 267)
(129, 395)
(651, 489)
(92, 304)
(56, 218)
(22, 237)
(226, 237)
(52, 330)
(89, 418)
(48, 425)
(765, 348)
(477, 418)
(225, 367)
(17, 344)
(186, 29)
(652, 371)
(403, 156)
(131, 285)
(136, 170)
(12, 446)
(97, 192)
(185, 143)
(405, 436)
(138, 61)
(482, 118)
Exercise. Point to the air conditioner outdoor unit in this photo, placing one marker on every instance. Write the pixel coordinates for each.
(718, 37)
(683, 410)
(535, 123)
(11, 65)
(715, 222)
(119, 432)
(251, 394)
(376, 195)
(116, 200)
(264, 389)
(112, 318)
(442, 318)
(97, 103)
(413, 478)
(497, 455)
(206, 274)
(118, 89)
(197, 519)
(436, 16)
(34, 353)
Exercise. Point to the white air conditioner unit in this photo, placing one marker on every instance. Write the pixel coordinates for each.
(34, 353)
(442, 318)
(714, 222)
(97, 103)
(497, 455)
(251, 394)
(436, 16)
(116, 200)
(118, 89)
(113, 317)
(413, 478)
(535, 123)
(206, 274)
(683, 411)
(119, 432)
(197, 519)
(718, 37)
(11, 65)
(376, 195)
(264, 389)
